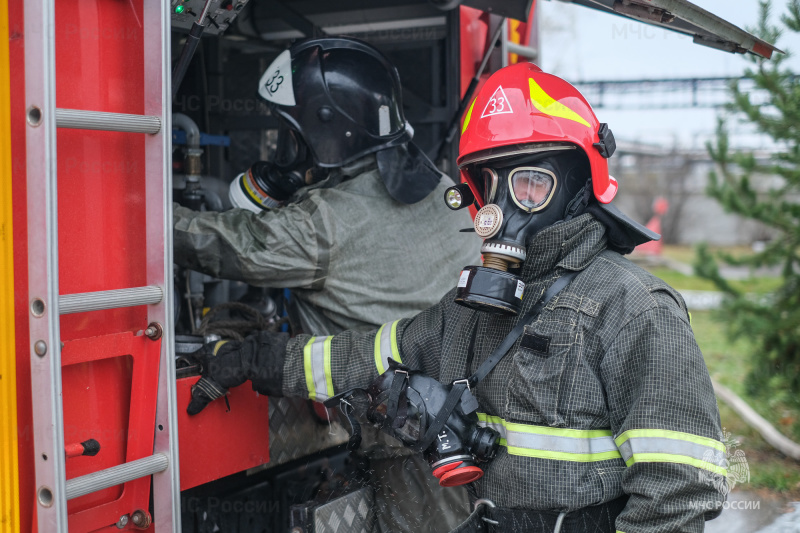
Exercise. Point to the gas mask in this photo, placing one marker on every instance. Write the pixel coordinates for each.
(410, 406)
(522, 195)
(269, 184)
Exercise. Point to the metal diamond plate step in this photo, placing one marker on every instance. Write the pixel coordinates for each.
(294, 432)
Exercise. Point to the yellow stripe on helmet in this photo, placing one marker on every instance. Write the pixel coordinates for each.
(469, 116)
(547, 105)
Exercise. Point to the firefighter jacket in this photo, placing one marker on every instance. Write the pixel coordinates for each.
(606, 392)
(353, 257)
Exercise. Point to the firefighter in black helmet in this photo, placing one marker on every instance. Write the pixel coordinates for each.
(361, 236)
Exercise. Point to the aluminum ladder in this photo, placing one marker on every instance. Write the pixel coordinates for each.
(46, 306)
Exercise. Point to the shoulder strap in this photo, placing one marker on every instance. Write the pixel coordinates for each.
(501, 350)
(461, 386)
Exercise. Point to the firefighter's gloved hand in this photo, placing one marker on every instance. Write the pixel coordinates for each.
(225, 364)
(221, 369)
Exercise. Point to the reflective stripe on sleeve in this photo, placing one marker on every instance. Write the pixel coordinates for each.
(665, 446)
(317, 364)
(558, 444)
(386, 346)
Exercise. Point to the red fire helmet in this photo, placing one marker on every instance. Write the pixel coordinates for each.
(522, 109)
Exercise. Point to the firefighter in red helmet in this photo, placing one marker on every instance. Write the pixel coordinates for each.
(559, 379)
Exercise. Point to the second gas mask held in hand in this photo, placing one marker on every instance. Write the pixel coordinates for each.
(521, 196)
(413, 408)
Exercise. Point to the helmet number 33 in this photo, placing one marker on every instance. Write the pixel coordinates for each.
(276, 83)
(497, 104)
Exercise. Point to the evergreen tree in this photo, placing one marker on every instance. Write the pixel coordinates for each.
(767, 192)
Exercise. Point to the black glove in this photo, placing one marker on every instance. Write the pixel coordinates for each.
(227, 364)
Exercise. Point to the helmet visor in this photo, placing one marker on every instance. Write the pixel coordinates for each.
(531, 187)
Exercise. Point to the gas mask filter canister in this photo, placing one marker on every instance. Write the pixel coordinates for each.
(491, 287)
(263, 186)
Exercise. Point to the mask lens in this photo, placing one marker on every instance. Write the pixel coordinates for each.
(531, 187)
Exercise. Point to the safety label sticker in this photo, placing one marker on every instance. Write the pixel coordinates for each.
(520, 289)
(487, 220)
(276, 83)
(462, 281)
(497, 104)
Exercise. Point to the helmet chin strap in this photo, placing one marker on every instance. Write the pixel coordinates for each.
(577, 206)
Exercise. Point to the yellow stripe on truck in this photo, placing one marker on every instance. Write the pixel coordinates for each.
(9, 465)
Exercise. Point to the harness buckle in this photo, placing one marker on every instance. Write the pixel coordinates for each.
(466, 382)
(488, 503)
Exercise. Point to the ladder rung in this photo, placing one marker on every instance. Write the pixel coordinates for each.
(97, 120)
(95, 301)
(116, 475)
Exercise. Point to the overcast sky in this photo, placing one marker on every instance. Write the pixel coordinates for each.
(581, 44)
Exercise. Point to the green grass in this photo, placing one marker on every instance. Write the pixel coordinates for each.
(728, 362)
(686, 254)
(693, 283)
(682, 282)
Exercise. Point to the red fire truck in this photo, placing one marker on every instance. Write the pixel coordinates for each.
(110, 109)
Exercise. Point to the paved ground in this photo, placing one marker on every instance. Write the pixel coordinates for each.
(747, 512)
(786, 523)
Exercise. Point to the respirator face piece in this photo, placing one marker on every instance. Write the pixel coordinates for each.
(522, 196)
(406, 404)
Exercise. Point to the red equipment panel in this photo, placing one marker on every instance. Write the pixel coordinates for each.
(109, 396)
(219, 442)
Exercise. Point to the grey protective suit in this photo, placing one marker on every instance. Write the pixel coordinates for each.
(605, 394)
(354, 258)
